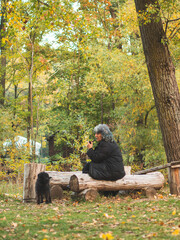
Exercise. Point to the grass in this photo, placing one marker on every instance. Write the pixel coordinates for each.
(130, 217)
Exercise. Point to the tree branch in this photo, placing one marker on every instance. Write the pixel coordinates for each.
(46, 4)
(173, 20)
(22, 90)
(148, 114)
(174, 31)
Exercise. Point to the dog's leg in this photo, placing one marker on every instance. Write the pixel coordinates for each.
(38, 198)
(50, 197)
(41, 198)
(46, 196)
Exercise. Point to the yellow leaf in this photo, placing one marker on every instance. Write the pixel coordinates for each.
(4, 40)
(106, 236)
(174, 212)
(176, 232)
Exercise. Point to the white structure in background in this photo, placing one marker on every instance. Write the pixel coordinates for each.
(20, 142)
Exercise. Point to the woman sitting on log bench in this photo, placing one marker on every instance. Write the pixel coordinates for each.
(106, 159)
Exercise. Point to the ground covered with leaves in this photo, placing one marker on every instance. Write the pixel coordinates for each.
(127, 217)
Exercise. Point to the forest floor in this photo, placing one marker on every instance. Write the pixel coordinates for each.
(128, 217)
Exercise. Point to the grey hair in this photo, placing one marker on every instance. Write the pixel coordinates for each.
(105, 132)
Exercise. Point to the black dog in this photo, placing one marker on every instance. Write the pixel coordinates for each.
(43, 188)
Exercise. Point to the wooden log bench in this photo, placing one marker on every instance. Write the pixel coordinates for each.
(83, 184)
(59, 180)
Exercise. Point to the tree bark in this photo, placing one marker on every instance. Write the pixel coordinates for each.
(31, 170)
(2, 52)
(102, 108)
(81, 182)
(163, 81)
(31, 98)
(174, 179)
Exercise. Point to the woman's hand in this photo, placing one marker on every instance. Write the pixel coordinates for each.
(90, 145)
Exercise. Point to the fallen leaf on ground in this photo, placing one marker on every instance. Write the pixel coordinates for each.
(108, 216)
(106, 236)
(174, 212)
(44, 230)
(14, 225)
(176, 232)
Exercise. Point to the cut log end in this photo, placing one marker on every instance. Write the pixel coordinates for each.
(31, 170)
(150, 192)
(91, 195)
(74, 183)
(56, 192)
(87, 195)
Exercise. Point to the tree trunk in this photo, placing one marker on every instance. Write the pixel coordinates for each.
(162, 76)
(31, 99)
(29, 119)
(102, 108)
(81, 182)
(113, 9)
(37, 128)
(51, 146)
(31, 170)
(2, 52)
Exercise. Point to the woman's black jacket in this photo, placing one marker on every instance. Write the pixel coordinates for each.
(107, 162)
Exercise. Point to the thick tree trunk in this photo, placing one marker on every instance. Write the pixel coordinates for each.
(81, 182)
(162, 76)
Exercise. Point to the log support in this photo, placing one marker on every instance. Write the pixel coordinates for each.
(150, 192)
(87, 195)
(56, 192)
(174, 179)
(31, 170)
